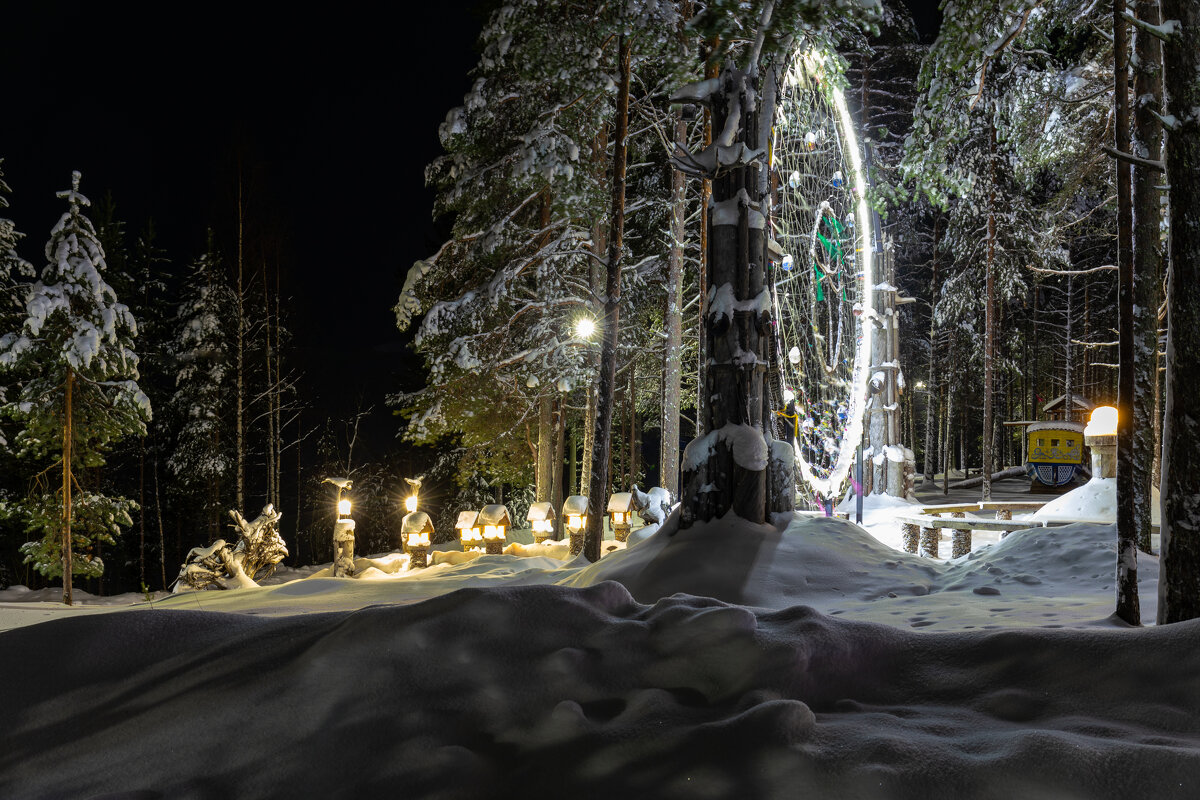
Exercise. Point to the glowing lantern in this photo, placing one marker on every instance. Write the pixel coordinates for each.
(343, 508)
(494, 519)
(1103, 422)
(541, 519)
(468, 531)
(620, 510)
(415, 531)
(410, 503)
(574, 511)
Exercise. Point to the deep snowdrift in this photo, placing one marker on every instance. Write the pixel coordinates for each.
(593, 688)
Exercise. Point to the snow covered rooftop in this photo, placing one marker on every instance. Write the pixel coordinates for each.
(494, 515)
(539, 512)
(620, 502)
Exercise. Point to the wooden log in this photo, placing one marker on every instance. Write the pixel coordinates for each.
(418, 557)
(929, 542)
(961, 544)
(911, 534)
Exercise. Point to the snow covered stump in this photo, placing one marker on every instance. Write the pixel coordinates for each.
(259, 548)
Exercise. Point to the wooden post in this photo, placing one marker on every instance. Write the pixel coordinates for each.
(961, 543)
(929, 542)
(68, 435)
(911, 532)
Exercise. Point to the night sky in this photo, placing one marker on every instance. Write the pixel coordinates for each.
(334, 116)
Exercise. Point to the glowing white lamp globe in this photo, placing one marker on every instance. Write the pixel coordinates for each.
(1102, 423)
(410, 503)
(343, 508)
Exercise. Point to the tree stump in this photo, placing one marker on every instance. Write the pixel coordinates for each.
(911, 534)
(418, 557)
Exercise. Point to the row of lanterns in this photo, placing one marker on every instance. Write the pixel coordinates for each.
(482, 531)
(486, 530)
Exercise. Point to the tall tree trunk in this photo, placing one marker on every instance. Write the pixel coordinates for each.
(716, 482)
(932, 384)
(68, 437)
(672, 372)
(545, 451)
(1127, 590)
(1068, 383)
(162, 535)
(598, 490)
(1179, 577)
(142, 510)
(556, 477)
(239, 399)
(1147, 264)
(635, 444)
(712, 70)
(269, 393)
(989, 324)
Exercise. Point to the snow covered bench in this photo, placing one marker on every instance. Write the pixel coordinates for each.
(928, 527)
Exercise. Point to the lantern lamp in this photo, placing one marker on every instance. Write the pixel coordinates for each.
(495, 521)
(541, 520)
(620, 511)
(574, 511)
(343, 508)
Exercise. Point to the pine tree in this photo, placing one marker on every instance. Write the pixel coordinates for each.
(82, 398)
(203, 348)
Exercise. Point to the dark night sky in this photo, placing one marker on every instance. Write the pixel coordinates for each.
(336, 114)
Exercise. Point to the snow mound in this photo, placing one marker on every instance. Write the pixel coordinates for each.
(1095, 500)
(542, 691)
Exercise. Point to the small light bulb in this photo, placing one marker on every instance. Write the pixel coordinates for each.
(343, 508)
(410, 503)
(585, 327)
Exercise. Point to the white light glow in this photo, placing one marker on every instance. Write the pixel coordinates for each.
(418, 540)
(585, 327)
(493, 532)
(813, 60)
(343, 508)
(575, 521)
(1102, 423)
(410, 503)
(618, 518)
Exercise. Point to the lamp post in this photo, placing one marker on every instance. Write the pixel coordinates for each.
(1101, 436)
(620, 511)
(541, 519)
(574, 511)
(343, 530)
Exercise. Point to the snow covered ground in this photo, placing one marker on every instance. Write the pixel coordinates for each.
(727, 660)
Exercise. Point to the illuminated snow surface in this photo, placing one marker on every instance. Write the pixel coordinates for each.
(726, 661)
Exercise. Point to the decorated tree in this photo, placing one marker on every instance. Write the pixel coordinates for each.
(82, 397)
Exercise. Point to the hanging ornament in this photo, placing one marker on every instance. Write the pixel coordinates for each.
(794, 355)
(794, 179)
(838, 179)
(810, 140)
(787, 262)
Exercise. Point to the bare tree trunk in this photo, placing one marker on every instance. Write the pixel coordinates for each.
(635, 443)
(1068, 384)
(598, 490)
(545, 451)
(1179, 577)
(162, 535)
(1128, 608)
(556, 476)
(712, 70)
(239, 399)
(68, 437)
(142, 510)
(1147, 265)
(672, 373)
(989, 347)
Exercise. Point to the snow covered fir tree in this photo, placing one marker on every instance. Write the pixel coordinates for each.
(79, 395)
(734, 398)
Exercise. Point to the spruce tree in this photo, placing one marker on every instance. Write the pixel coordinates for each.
(202, 460)
(82, 397)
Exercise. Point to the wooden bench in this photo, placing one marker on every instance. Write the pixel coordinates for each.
(928, 528)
